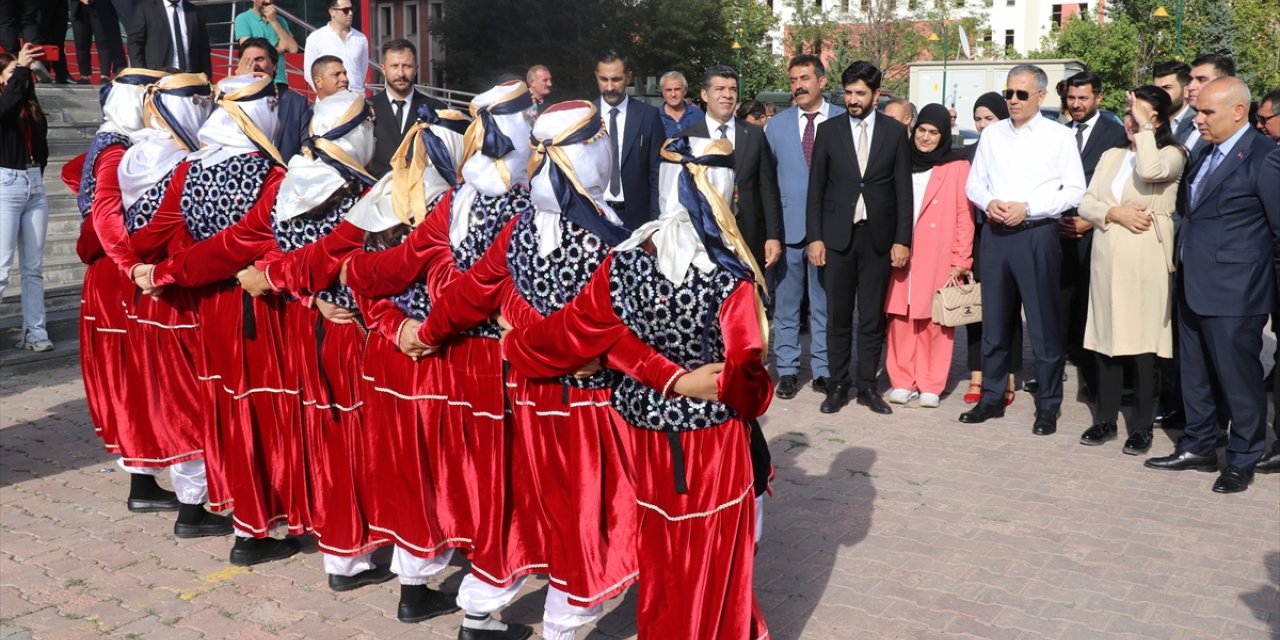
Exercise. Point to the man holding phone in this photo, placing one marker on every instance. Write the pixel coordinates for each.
(263, 21)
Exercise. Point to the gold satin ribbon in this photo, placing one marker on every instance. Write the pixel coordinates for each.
(228, 103)
(332, 149)
(559, 157)
(407, 200)
(474, 138)
(175, 81)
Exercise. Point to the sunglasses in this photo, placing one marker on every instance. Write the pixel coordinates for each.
(1021, 94)
(1263, 120)
(342, 9)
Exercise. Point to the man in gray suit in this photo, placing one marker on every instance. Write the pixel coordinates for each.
(791, 134)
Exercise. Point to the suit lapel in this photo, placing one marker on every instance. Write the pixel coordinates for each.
(846, 130)
(878, 136)
(630, 128)
(1099, 132)
(742, 137)
(1228, 166)
(935, 183)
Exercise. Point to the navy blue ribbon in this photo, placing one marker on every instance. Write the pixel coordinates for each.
(437, 151)
(166, 115)
(135, 79)
(575, 206)
(704, 221)
(351, 175)
(496, 143)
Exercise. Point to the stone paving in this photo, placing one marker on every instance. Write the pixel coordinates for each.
(906, 526)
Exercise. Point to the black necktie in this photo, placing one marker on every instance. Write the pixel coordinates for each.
(724, 131)
(177, 35)
(399, 107)
(1080, 136)
(615, 170)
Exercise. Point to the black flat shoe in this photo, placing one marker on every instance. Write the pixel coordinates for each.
(1031, 385)
(376, 575)
(152, 505)
(872, 400)
(1171, 419)
(1183, 460)
(837, 398)
(788, 387)
(820, 384)
(513, 631)
(418, 602)
(1139, 442)
(194, 522)
(1270, 463)
(1233, 480)
(981, 413)
(1098, 434)
(1046, 423)
(250, 551)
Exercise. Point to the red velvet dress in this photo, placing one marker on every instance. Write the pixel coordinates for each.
(697, 518)
(256, 417)
(505, 537)
(327, 357)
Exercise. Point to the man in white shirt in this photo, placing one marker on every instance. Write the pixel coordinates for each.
(338, 38)
(1026, 173)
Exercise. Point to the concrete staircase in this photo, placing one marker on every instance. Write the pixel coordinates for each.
(74, 116)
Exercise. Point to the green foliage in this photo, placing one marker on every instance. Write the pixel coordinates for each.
(1109, 49)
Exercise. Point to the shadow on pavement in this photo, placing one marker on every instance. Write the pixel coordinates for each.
(61, 440)
(1265, 602)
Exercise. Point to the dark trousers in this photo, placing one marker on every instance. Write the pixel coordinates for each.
(1275, 384)
(98, 22)
(858, 275)
(1074, 311)
(1026, 263)
(53, 30)
(973, 332)
(1111, 386)
(19, 19)
(1220, 360)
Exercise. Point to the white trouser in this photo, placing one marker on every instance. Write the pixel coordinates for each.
(188, 478)
(24, 223)
(476, 596)
(344, 566)
(413, 570)
(561, 620)
(759, 518)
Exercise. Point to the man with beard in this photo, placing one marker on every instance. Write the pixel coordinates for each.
(635, 135)
(257, 54)
(395, 109)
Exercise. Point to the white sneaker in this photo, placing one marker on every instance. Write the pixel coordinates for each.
(901, 396)
(39, 346)
(930, 400)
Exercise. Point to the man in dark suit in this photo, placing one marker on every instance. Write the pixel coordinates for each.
(152, 37)
(633, 179)
(1226, 286)
(758, 207)
(859, 226)
(258, 54)
(1095, 133)
(396, 108)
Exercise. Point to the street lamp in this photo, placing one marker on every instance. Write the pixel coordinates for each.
(1162, 13)
(933, 37)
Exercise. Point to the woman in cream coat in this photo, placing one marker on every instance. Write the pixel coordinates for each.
(1130, 202)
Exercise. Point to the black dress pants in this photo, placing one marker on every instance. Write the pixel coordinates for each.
(860, 275)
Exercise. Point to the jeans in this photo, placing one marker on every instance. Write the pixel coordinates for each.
(24, 220)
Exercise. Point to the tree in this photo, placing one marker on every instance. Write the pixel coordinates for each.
(1109, 50)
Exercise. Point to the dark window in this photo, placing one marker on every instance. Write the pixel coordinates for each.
(1008, 38)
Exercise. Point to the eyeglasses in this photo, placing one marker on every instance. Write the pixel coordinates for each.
(342, 9)
(1021, 94)
(1263, 120)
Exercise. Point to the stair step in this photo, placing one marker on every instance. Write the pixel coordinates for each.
(56, 300)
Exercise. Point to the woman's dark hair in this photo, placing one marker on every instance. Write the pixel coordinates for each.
(386, 239)
(6, 59)
(321, 210)
(33, 104)
(1162, 104)
(751, 108)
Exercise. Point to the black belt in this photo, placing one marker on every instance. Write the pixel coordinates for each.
(616, 205)
(1028, 224)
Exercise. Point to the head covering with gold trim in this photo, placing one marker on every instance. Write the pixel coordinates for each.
(121, 100)
(569, 170)
(244, 122)
(175, 109)
(335, 153)
(497, 153)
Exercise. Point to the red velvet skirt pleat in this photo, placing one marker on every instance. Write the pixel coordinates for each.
(258, 412)
(413, 454)
(571, 460)
(696, 550)
(103, 323)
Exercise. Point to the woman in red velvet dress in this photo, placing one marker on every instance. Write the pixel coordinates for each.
(221, 199)
(685, 284)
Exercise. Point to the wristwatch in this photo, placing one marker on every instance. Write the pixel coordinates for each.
(1147, 126)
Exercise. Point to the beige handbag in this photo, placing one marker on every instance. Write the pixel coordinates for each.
(956, 303)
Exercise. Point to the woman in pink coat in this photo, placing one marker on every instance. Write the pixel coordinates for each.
(942, 246)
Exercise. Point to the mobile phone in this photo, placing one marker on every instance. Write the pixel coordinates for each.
(51, 53)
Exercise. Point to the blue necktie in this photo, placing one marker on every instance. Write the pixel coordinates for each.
(1215, 156)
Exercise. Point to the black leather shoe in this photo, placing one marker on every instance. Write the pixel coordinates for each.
(1046, 423)
(1269, 463)
(1098, 434)
(376, 575)
(1171, 419)
(419, 602)
(250, 551)
(1183, 460)
(837, 398)
(981, 413)
(1139, 442)
(151, 505)
(820, 384)
(787, 387)
(872, 400)
(1233, 480)
(194, 522)
(514, 631)
(1031, 385)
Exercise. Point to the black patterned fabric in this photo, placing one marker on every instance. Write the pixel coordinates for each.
(489, 215)
(549, 283)
(682, 322)
(88, 179)
(216, 197)
(140, 214)
(414, 302)
(300, 231)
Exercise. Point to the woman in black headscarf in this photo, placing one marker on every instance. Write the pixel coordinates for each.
(919, 354)
(988, 109)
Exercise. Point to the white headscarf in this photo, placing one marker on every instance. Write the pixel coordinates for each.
(674, 237)
(311, 180)
(122, 101)
(587, 162)
(485, 175)
(159, 147)
(245, 122)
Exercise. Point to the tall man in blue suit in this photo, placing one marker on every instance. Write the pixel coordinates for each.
(1225, 286)
(635, 138)
(791, 135)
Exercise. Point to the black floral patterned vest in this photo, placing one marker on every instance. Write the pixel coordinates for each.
(300, 231)
(489, 215)
(216, 197)
(141, 212)
(88, 177)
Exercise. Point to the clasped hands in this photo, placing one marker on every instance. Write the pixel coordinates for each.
(1010, 214)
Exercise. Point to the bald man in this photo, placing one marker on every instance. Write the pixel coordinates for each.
(1225, 286)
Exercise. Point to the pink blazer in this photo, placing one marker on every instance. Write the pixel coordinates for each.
(943, 238)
